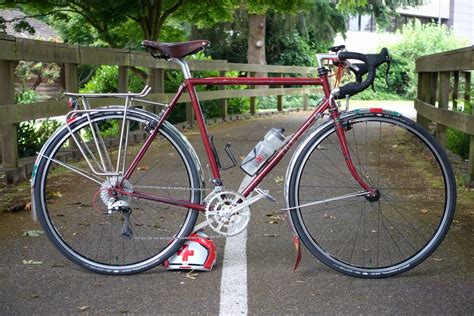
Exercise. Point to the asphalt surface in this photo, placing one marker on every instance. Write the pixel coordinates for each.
(37, 279)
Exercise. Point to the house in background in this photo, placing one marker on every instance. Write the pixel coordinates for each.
(42, 32)
(363, 34)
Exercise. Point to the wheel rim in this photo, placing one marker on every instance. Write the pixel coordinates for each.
(94, 239)
(401, 227)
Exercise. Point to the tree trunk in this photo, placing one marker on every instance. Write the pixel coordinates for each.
(256, 42)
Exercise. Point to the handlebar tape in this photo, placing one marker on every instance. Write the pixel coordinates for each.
(369, 65)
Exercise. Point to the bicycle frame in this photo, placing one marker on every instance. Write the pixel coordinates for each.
(189, 85)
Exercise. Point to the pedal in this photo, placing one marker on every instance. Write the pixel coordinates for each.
(266, 195)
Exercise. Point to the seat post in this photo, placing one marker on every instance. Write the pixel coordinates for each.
(184, 66)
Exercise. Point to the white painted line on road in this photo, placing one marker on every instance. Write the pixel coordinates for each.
(234, 276)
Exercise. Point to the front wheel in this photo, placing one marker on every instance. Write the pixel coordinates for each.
(73, 203)
(372, 236)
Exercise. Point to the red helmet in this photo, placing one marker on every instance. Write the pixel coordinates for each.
(196, 253)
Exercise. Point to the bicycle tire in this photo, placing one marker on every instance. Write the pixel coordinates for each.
(360, 237)
(74, 227)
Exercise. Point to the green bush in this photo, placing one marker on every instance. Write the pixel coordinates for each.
(31, 136)
(416, 40)
(105, 80)
(457, 141)
(26, 96)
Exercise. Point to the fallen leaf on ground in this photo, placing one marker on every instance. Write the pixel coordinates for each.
(57, 194)
(57, 265)
(28, 207)
(17, 207)
(423, 211)
(191, 275)
(270, 235)
(142, 168)
(35, 296)
(437, 259)
(32, 233)
(279, 180)
(83, 308)
(32, 262)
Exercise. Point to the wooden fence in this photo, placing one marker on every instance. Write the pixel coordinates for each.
(14, 49)
(440, 79)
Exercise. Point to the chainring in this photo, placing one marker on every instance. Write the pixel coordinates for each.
(221, 213)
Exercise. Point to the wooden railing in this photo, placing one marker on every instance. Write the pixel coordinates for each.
(14, 49)
(440, 77)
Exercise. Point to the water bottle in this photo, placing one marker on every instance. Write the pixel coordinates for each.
(256, 159)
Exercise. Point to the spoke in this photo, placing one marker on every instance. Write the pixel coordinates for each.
(378, 163)
(100, 241)
(329, 186)
(85, 174)
(344, 175)
(138, 237)
(350, 149)
(406, 220)
(332, 208)
(357, 232)
(400, 233)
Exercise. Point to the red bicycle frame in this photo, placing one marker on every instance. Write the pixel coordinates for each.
(189, 86)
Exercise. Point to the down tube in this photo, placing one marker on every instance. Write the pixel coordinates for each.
(282, 152)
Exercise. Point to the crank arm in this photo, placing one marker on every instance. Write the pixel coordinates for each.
(261, 194)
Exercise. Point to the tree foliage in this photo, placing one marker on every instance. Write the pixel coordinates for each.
(416, 40)
(113, 20)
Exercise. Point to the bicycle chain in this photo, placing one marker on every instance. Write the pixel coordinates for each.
(172, 188)
(182, 189)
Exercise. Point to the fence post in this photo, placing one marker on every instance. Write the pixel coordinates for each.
(156, 81)
(467, 103)
(123, 79)
(223, 104)
(443, 101)
(424, 89)
(70, 78)
(280, 98)
(252, 99)
(455, 90)
(8, 132)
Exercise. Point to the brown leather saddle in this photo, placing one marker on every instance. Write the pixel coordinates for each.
(174, 50)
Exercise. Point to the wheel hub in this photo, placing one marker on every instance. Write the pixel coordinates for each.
(109, 193)
(373, 196)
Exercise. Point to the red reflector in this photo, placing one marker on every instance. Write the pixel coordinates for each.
(70, 103)
(72, 119)
(376, 110)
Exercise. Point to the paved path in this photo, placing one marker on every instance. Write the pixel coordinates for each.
(444, 284)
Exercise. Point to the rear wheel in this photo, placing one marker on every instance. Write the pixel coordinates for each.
(73, 208)
(373, 236)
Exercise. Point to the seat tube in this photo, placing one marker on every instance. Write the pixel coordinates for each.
(203, 131)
